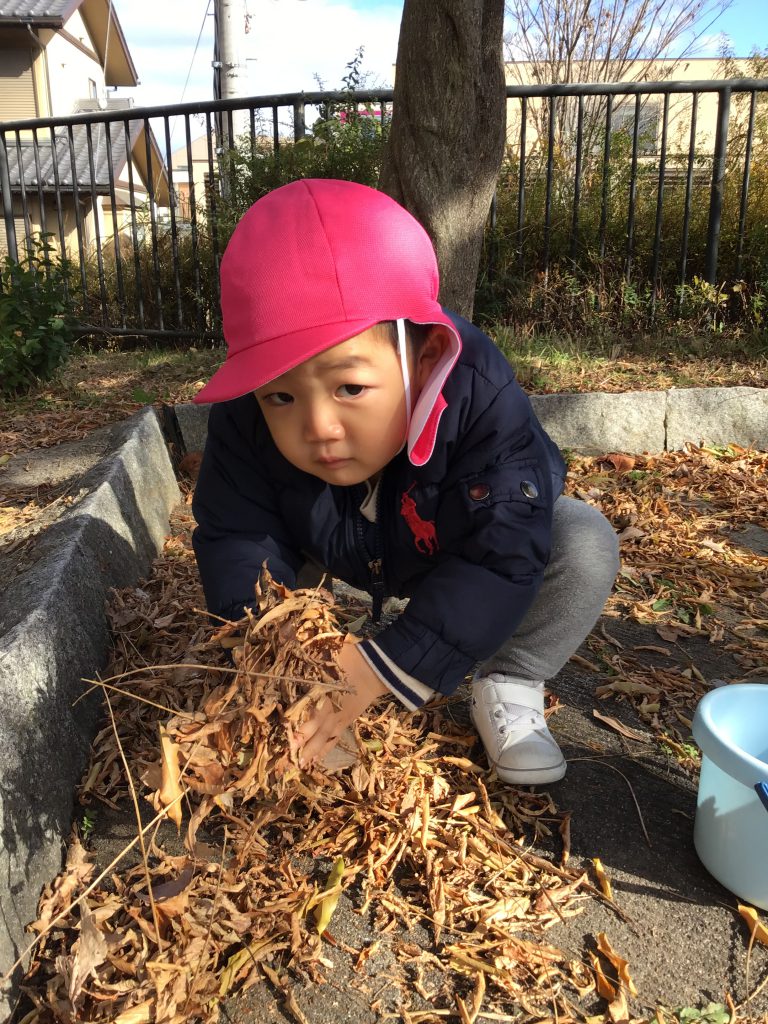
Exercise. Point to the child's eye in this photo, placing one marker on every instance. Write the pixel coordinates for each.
(351, 390)
(278, 398)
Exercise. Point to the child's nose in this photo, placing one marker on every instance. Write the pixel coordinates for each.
(322, 423)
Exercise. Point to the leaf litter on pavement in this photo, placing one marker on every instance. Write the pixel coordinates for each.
(414, 831)
(686, 575)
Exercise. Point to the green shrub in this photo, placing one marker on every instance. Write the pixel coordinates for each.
(37, 325)
(173, 285)
(345, 143)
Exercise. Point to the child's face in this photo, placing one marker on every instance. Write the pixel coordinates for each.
(341, 415)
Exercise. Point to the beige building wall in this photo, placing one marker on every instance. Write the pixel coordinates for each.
(72, 73)
(200, 174)
(680, 107)
(21, 84)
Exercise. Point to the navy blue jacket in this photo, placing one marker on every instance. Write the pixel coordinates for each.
(466, 537)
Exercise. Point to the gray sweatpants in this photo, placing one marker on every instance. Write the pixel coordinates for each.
(583, 564)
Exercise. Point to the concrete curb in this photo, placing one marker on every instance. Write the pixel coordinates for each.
(655, 421)
(53, 631)
(632, 421)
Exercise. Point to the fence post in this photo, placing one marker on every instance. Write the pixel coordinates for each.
(299, 127)
(5, 190)
(718, 177)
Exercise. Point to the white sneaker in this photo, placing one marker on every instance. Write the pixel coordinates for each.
(509, 716)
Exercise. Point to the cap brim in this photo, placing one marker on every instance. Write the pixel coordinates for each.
(245, 371)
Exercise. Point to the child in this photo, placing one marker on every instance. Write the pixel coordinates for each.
(361, 426)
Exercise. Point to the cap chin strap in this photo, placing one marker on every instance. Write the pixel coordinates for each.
(402, 351)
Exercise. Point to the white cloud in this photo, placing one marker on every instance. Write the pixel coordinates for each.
(711, 45)
(289, 41)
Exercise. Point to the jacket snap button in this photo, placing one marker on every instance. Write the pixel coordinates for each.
(529, 489)
(479, 492)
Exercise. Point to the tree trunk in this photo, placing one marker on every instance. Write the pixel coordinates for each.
(446, 140)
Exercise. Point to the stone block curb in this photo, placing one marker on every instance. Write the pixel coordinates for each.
(600, 422)
(631, 421)
(735, 415)
(193, 424)
(53, 631)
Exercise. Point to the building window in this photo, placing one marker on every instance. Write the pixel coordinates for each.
(623, 120)
(92, 89)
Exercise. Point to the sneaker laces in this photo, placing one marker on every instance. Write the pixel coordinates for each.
(511, 718)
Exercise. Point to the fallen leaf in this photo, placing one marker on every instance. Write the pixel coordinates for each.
(655, 649)
(602, 878)
(712, 545)
(621, 965)
(667, 632)
(604, 986)
(631, 533)
(614, 723)
(6, 457)
(584, 663)
(170, 791)
(625, 686)
(190, 465)
(325, 908)
(139, 1014)
(291, 1004)
(618, 1008)
(357, 624)
(248, 955)
(758, 931)
(611, 639)
(621, 463)
(90, 951)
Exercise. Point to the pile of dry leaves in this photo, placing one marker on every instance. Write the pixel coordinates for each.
(415, 827)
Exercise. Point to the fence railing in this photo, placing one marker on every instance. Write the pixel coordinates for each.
(145, 221)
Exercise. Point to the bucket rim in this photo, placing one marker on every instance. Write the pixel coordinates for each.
(736, 762)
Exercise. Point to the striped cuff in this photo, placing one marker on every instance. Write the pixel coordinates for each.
(408, 690)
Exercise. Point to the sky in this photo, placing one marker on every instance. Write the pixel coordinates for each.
(290, 42)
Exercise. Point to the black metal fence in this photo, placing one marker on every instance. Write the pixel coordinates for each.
(143, 220)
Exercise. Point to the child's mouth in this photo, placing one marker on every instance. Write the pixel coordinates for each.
(332, 461)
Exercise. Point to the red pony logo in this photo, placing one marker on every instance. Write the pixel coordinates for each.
(423, 530)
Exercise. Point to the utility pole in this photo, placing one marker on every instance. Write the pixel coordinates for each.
(230, 69)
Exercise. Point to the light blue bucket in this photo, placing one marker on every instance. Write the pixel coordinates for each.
(731, 828)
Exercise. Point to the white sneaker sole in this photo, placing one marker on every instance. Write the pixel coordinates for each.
(530, 776)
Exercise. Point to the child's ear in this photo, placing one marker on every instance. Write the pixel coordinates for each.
(431, 352)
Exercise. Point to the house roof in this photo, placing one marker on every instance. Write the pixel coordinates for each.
(39, 10)
(100, 19)
(62, 155)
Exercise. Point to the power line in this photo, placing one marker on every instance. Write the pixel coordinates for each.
(191, 65)
(197, 44)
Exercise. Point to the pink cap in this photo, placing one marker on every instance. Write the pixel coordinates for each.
(314, 263)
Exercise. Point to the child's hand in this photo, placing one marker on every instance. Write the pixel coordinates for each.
(321, 731)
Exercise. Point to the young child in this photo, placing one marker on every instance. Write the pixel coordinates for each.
(360, 426)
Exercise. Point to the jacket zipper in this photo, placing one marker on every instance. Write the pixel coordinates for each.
(374, 561)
